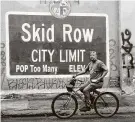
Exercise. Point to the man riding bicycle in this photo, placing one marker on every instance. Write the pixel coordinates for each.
(98, 71)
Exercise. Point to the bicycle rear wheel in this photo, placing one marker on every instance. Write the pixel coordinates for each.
(64, 105)
(106, 104)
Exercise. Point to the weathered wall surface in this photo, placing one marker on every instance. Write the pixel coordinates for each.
(106, 7)
(127, 38)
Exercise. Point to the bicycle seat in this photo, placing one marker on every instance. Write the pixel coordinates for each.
(96, 91)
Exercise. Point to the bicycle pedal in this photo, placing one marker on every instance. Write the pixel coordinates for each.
(91, 106)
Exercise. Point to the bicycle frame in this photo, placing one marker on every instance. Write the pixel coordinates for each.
(75, 93)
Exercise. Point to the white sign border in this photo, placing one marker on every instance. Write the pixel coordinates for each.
(47, 13)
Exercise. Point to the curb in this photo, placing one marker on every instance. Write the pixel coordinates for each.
(47, 113)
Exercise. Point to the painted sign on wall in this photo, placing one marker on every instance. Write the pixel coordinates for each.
(39, 45)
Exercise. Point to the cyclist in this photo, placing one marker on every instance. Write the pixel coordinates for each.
(97, 70)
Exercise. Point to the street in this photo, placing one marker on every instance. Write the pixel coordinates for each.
(129, 117)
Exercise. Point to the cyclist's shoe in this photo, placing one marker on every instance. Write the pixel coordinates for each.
(85, 109)
(92, 100)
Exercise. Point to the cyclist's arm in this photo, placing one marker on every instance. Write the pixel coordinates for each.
(80, 73)
(103, 75)
(105, 71)
(83, 72)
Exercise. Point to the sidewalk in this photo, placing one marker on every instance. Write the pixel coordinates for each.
(40, 104)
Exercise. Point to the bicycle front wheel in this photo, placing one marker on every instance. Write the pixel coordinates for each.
(106, 104)
(64, 105)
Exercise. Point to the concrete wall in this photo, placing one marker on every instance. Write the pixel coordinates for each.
(109, 8)
(127, 19)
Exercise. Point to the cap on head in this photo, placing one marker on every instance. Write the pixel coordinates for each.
(93, 52)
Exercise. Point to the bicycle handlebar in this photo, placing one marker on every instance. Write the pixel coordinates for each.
(76, 79)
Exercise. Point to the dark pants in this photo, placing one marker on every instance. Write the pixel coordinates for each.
(89, 87)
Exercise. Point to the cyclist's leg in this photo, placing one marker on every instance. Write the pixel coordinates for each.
(91, 87)
(84, 85)
(94, 87)
(87, 100)
(87, 91)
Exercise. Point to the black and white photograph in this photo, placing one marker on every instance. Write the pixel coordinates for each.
(67, 61)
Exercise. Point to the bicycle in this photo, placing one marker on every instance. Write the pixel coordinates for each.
(65, 105)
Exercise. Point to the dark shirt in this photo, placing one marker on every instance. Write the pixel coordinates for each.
(96, 69)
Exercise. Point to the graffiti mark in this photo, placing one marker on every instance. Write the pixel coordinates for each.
(114, 82)
(38, 83)
(47, 1)
(3, 63)
(127, 46)
(127, 57)
(3, 56)
(16, 84)
(112, 44)
(3, 75)
(2, 45)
